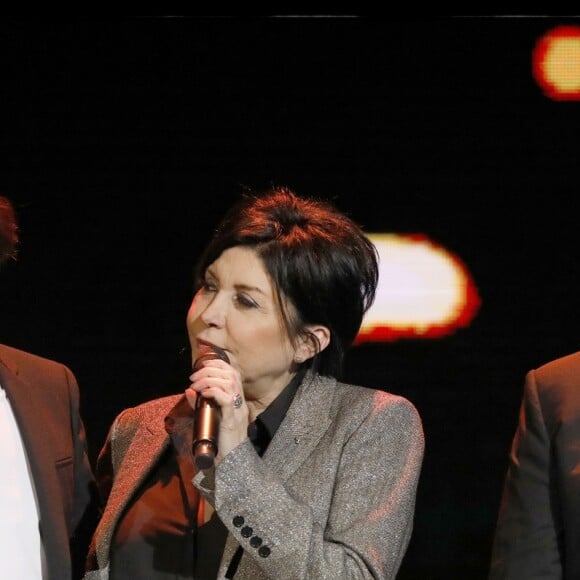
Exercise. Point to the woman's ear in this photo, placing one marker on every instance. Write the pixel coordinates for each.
(315, 340)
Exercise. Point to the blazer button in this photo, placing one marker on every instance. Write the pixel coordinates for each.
(238, 521)
(247, 531)
(264, 551)
(256, 542)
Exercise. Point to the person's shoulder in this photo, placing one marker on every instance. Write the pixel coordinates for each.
(558, 379)
(566, 363)
(370, 393)
(152, 408)
(15, 357)
(378, 400)
(379, 413)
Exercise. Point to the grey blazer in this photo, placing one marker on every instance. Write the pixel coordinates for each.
(538, 527)
(44, 397)
(333, 496)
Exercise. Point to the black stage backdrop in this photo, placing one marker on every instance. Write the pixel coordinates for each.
(124, 140)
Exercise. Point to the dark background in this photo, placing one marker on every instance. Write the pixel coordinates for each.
(123, 142)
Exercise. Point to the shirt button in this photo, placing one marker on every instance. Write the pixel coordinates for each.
(247, 531)
(238, 521)
(264, 551)
(256, 542)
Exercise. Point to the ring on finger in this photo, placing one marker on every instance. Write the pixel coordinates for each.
(237, 400)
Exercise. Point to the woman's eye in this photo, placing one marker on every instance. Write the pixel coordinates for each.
(245, 301)
(208, 286)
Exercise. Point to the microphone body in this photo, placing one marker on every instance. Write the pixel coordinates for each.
(207, 416)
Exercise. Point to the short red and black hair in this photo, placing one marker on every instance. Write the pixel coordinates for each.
(317, 257)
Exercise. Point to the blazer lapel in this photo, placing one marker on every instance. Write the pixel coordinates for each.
(305, 423)
(147, 446)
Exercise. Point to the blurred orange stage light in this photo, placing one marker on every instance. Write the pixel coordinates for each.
(556, 63)
(425, 291)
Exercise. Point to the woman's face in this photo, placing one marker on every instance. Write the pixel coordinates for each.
(236, 309)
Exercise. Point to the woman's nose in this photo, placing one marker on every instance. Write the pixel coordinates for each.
(214, 312)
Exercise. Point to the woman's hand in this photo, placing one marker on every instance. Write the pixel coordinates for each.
(220, 382)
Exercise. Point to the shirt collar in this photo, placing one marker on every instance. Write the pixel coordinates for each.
(264, 427)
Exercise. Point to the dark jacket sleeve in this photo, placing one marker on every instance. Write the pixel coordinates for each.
(527, 538)
(86, 505)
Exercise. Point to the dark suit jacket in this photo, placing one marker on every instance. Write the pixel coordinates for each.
(538, 529)
(44, 397)
(333, 496)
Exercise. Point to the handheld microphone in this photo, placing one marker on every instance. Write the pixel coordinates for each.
(207, 417)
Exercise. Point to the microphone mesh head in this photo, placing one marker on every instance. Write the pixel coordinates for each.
(211, 352)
